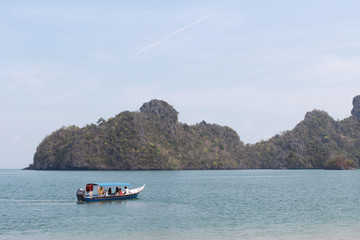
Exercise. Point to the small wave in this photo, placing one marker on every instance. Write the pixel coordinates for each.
(38, 200)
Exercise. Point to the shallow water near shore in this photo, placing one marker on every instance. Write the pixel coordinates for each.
(218, 204)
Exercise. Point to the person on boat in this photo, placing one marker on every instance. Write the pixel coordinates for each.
(116, 191)
(126, 190)
(120, 192)
(109, 191)
(100, 190)
(89, 189)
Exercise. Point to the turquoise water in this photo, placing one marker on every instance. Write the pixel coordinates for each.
(220, 204)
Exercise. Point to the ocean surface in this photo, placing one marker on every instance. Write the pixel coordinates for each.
(218, 204)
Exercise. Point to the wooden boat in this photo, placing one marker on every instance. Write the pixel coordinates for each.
(102, 192)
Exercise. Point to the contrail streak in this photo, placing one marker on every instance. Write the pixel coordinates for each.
(144, 49)
(147, 47)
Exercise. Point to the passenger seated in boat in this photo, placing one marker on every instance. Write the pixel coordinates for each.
(109, 191)
(127, 190)
(116, 191)
(120, 192)
(100, 190)
(89, 188)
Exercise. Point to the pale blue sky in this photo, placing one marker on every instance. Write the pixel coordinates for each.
(255, 66)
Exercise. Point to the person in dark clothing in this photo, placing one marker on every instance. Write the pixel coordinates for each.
(109, 191)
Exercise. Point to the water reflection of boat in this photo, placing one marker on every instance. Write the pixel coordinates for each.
(103, 192)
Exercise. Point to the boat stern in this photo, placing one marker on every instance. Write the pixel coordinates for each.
(80, 194)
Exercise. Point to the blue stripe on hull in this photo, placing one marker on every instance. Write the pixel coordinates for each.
(107, 198)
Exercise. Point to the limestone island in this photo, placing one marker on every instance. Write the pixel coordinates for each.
(153, 138)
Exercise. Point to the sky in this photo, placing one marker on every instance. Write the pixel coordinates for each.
(256, 66)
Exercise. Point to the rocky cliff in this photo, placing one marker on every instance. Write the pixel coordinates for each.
(152, 138)
(313, 143)
(356, 108)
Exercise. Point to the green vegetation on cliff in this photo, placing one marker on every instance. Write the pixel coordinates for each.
(311, 144)
(152, 138)
(340, 163)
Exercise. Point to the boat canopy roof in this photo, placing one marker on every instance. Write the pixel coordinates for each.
(110, 184)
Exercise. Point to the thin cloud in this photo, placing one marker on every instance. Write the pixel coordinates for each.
(340, 46)
(149, 46)
(74, 91)
(179, 30)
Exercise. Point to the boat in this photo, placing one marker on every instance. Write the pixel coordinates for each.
(102, 192)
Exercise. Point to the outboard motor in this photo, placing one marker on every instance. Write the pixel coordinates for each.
(80, 194)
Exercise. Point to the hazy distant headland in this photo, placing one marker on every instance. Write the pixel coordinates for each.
(153, 138)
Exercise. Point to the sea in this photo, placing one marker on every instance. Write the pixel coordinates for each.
(204, 204)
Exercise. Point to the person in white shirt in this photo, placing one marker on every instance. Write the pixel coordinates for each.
(126, 190)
